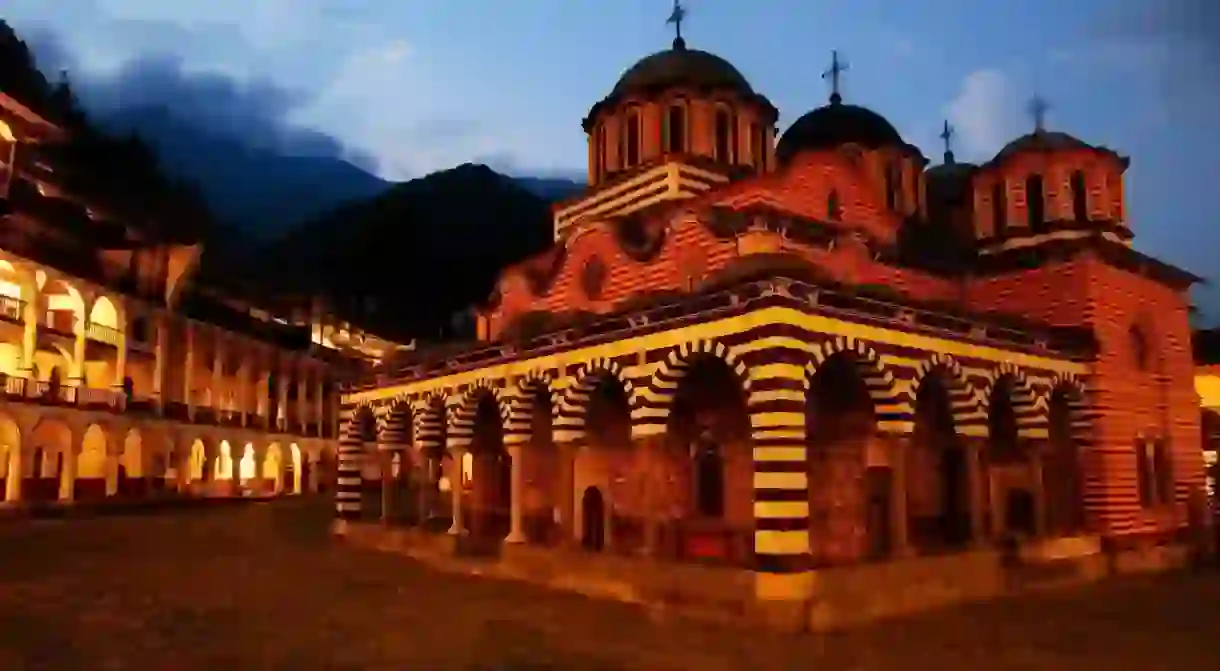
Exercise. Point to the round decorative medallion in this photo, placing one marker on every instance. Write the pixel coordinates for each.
(593, 278)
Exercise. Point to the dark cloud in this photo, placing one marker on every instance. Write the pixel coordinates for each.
(255, 113)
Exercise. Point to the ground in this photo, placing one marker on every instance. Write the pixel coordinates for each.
(263, 587)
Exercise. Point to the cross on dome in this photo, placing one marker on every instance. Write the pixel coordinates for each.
(833, 74)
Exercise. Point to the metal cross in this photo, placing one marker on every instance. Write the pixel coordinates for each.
(836, 69)
(947, 135)
(1037, 109)
(676, 17)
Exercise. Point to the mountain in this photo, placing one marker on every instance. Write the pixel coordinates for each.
(260, 191)
(408, 258)
(550, 188)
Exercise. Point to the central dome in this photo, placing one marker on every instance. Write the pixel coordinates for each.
(835, 125)
(680, 66)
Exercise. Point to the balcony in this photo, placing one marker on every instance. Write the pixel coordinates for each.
(231, 418)
(177, 410)
(101, 333)
(205, 415)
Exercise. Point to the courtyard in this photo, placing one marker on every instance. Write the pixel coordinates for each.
(263, 587)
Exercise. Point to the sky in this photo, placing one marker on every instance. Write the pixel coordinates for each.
(406, 87)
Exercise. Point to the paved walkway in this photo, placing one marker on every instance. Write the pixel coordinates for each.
(264, 588)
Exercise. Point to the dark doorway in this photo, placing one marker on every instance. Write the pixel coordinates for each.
(1019, 512)
(955, 515)
(878, 485)
(593, 520)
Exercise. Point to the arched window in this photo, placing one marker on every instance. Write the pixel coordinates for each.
(675, 129)
(893, 184)
(1035, 203)
(1162, 466)
(724, 135)
(999, 210)
(631, 140)
(1139, 347)
(834, 210)
(1144, 478)
(1080, 197)
(599, 152)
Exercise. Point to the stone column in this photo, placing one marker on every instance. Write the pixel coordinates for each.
(218, 372)
(900, 537)
(455, 490)
(1038, 487)
(652, 484)
(188, 370)
(975, 477)
(12, 482)
(67, 476)
(281, 397)
(29, 337)
(76, 377)
(385, 464)
(160, 363)
(566, 496)
(516, 533)
(120, 366)
(111, 472)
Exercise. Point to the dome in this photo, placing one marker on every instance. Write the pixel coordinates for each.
(677, 67)
(1041, 140)
(680, 66)
(835, 125)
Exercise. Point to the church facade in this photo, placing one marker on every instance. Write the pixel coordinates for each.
(785, 356)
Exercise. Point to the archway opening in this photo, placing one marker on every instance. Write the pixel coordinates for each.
(602, 463)
(197, 463)
(297, 476)
(1062, 468)
(593, 520)
(273, 469)
(490, 476)
(247, 466)
(1007, 455)
(708, 446)
(370, 471)
(93, 477)
(51, 442)
(10, 459)
(134, 466)
(938, 475)
(63, 306)
(841, 425)
(224, 467)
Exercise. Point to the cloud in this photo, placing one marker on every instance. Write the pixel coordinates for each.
(983, 113)
(255, 112)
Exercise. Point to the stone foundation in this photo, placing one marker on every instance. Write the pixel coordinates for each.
(822, 600)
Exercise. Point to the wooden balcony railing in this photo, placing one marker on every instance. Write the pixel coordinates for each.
(104, 334)
(93, 398)
(231, 418)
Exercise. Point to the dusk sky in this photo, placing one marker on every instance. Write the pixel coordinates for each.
(411, 86)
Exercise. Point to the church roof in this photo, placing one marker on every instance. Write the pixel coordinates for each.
(835, 125)
(1043, 140)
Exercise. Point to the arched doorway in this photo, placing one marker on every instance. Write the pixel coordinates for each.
(840, 426)
(295, 476)
(49, 481)
(593, 520)
(1062, 475)
(938, 474)
(273, 469)
(540, 468)
(490, 479)
(709, 444)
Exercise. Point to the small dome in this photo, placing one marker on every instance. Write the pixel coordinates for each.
(680, 66)
(835, 125)
(1041, 140)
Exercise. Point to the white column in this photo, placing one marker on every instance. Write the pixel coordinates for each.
(455, 489)
(515, 534)
(67, 477)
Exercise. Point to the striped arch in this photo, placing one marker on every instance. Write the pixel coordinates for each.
(894, 415)
(1080, 429)
(968, 418)
(650, 413)
(350, 458)
(397, 428)
(428, 412)
(463, 414)
(573, 407)
(518, 427)
(1031, 423)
